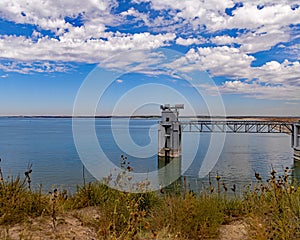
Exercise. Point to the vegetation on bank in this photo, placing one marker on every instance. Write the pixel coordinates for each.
(270, 209)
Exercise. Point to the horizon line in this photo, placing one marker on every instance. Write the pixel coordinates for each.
(145, 116)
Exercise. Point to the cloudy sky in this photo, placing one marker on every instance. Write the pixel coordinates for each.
(250, 49)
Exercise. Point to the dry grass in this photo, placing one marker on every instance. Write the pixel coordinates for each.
(268, 210)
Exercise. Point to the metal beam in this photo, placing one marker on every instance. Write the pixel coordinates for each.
(237, 126)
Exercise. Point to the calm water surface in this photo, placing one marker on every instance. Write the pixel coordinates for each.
(48, 144)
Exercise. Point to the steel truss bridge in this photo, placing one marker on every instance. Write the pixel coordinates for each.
(170, 128)
(224, 126)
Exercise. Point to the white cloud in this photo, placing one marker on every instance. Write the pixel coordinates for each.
(224, 40)
(272, 15)
(290, 51)
(76, 49)
(88, 42)
(92, 42)
(273, 80)
(233, 63)
(189, 41)
(4, 76)
(256, 42)
(218, 61)
(30, 67)
(253, 42)
(269, 25)
(211, 13)
(49, 15)
(138, 16)
(287, 73)
(148, 62)
(266, 26)
(194, 13)
(256, 90)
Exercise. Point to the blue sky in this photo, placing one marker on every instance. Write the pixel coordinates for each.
(250, 50)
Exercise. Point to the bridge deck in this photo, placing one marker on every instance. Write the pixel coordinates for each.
(237, 126)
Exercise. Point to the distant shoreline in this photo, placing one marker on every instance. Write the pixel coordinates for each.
(79, 116)
(249, 118)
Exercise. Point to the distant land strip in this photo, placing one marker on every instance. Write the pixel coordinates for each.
(244, 118)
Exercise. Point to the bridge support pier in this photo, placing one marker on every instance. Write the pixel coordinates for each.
(296, 141)
(169, 132)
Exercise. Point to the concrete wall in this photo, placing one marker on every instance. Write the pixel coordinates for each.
(296, 141)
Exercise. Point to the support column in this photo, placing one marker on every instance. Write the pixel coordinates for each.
(296, 141)
(169, 132)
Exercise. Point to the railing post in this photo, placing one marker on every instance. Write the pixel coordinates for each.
(296, 141)
(169, 131)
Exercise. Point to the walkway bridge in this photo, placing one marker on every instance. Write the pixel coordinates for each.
(170, 130)
(236, 126)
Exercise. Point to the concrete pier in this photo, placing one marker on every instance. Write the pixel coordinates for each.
(169, 132)
(296, 141)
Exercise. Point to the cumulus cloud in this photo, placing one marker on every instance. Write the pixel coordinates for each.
(233, 32)
(267, 23)
(270, 15)
(273, 80)
(274, 72)
(86, 39)
(50, 15)
(219, 61)
(212, 13)
(76, 49)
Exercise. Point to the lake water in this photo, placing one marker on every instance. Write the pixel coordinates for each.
(47, 144)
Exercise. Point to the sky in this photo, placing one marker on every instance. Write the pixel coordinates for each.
(250, 51)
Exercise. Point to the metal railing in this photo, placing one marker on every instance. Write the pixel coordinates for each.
(237, 126)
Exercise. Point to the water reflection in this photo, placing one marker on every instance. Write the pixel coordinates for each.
(296, 170)
(170, 169)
